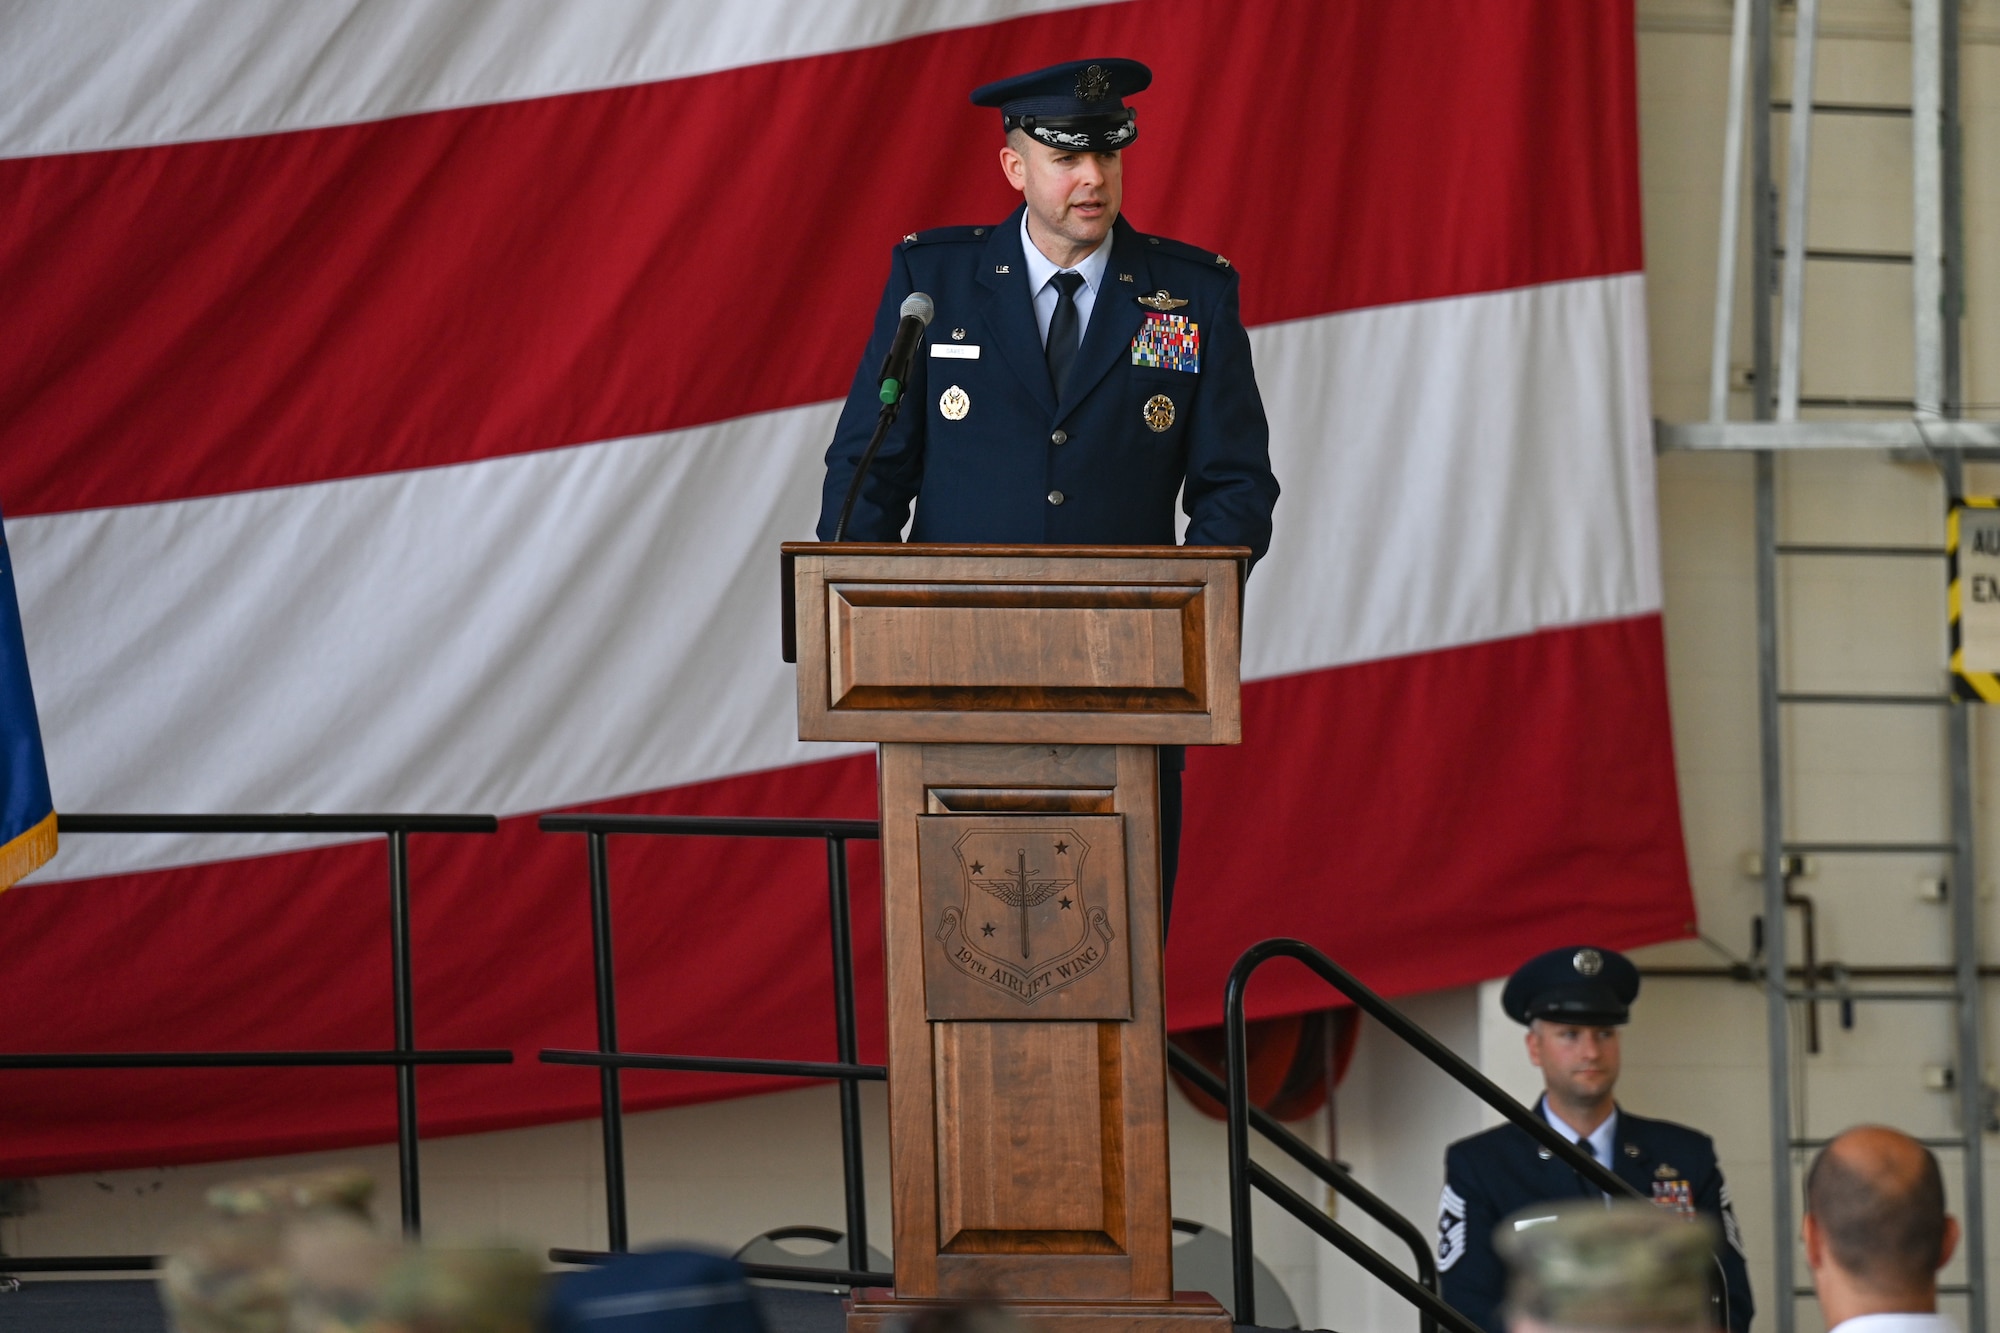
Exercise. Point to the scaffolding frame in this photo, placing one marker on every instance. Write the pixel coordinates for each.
(1934, 430)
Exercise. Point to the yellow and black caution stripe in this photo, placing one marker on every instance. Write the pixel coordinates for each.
(1978, 685)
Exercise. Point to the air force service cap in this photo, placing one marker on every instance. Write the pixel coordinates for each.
(1581, 985)
(1077, 106)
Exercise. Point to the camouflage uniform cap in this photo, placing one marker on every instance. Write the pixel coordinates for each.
(1626, 1266)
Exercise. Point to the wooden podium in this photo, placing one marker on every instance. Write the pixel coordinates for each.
(1018, 693)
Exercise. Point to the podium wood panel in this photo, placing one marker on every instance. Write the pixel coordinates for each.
(1027, 1156)
(1094, 645)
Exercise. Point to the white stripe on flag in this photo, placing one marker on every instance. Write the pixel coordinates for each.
(546, 629)
(83, 75)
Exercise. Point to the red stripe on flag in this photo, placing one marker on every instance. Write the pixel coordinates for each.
(1434, 820)
(1528, 781)
(438, 288)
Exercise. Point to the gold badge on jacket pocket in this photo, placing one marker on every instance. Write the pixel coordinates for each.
(1159, 411)
(954, 403)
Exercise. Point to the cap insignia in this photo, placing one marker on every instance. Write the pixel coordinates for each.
(1161, 300)
(1588, 962)
(1093, 84)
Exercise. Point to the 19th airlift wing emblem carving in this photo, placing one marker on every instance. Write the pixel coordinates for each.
(1028, 917)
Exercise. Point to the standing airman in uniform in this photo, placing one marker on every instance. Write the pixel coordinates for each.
(1573, 1002)
(1079, 374)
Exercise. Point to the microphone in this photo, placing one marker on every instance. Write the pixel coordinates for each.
(917, 314)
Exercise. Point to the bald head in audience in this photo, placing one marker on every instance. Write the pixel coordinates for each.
(1876, 1231)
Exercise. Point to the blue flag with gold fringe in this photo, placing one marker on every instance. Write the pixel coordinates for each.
(27, 813)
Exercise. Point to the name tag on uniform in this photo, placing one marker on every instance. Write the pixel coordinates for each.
(956, 351)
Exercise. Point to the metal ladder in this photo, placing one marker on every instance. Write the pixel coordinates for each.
(1933, 430)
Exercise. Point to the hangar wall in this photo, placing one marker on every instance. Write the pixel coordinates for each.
(723, 1172)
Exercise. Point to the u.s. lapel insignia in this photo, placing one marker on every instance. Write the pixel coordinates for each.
(1159, 413)
(1161, 300)
(1124, 277)
(1002, 268)
(1631, 1150)
(954, 404)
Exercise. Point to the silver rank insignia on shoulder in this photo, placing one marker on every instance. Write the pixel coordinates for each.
(953, 404)
(911, 237)
(1221, 261)
(1161, 300)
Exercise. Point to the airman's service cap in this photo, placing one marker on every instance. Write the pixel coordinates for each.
(1077, 106)
(1620, 1268)
(1582, 985)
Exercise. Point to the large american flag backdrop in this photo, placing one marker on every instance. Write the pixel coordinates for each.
(402, 402)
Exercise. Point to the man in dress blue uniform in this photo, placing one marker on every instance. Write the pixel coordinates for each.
(1573, 1002)
(1080, 373)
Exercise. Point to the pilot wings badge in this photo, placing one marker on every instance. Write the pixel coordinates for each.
(1161, 300)
(1022, 922)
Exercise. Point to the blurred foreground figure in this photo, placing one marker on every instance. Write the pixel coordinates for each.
(297, 1254)
(1623, 1268)
(1876, 1233)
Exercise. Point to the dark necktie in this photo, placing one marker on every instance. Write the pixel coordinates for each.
(1063, 327)
(1590, 1191)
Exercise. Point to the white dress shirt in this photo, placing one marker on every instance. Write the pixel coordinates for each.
(1041, 269)
(1896, 1323)
(1601, 1139)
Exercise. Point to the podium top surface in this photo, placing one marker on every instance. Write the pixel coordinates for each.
(1004, 644)
(789, 553)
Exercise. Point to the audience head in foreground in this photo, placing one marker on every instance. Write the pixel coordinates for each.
(1876, 1231)
(1624, 1268)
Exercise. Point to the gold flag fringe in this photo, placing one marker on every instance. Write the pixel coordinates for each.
(21, 856)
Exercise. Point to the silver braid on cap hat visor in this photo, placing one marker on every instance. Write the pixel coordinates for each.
(1082, 133)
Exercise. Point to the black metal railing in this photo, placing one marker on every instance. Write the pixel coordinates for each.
(609, 1060)
(1245, 1174)
(404, 1056)
(1333, 1174)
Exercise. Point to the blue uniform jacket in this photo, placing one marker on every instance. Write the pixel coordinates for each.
(1018, 466)
(1490, 1177)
